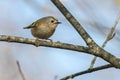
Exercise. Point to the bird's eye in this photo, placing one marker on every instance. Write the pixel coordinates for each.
(52, 21)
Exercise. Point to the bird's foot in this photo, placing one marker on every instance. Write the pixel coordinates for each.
(37, 42)
(51, 42)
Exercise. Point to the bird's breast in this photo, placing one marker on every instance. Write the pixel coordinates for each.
(42, 33)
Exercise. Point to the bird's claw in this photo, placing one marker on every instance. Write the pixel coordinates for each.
(37, 42)
(51, 42)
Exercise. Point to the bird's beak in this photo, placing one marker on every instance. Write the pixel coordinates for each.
(58, 22)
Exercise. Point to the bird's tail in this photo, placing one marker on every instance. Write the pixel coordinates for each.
(33, 25)
(28, 27)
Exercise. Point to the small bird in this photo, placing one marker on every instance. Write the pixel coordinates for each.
(43, 28)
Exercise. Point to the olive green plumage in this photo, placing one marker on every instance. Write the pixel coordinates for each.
(44, 27)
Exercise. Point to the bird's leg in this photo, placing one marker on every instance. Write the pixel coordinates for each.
(37, 42)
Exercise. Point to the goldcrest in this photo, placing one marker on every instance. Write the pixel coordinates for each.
(44, 27)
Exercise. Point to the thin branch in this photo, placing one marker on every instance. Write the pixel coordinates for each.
(109, 37)
(20, 70)
(89, 41)
(93, 62)
(43, 43)
(111, 33)
(88, 71)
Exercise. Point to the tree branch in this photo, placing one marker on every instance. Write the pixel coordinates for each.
(88, 71)
(20, 70)
(89, 41)
(43, 43)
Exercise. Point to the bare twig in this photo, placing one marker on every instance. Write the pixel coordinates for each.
(88, 71)
(20, 70)
(109, 37)
(93, 62)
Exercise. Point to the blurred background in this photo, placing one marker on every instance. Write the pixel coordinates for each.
(44, 63)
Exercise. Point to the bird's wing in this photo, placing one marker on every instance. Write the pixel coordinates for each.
(33, 25)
